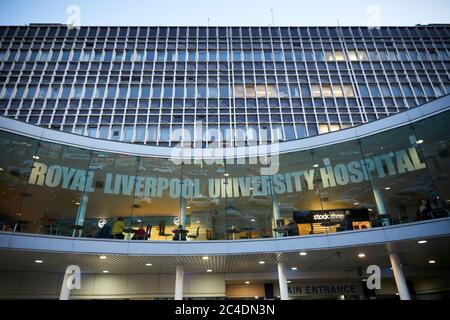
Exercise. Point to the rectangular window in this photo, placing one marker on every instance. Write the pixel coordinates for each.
(111, 92)
(428, 90)
(271, 91)
(374, 90)
(326, 91)
(152, 133)
(160, 56)
(164, 134)
(201, 91)
(168, 91)
(283, 91)
(123, 92)
(181, 56)
(257, 55)
(323, 128)
(238, 91)
(373, 55)
(260, 91)
(224, 92)
(293, 88)
(118, 57)
(145, 92)
(76, 92)
(88, 92)
(392, 55)
(289, 133)
(202, 56)
(305, 91)
(363, 90)
(348, 91)
(223, 55)
(298, 55)
(337, 90)
(31, 92)
(309, 55)
(192, 55)
(352, 55)
(301, 131)
(438, 90)
(179, 91)
(65, 92)
(212, 55)
(288, 55)
(42, 93)
(250, 91)
(170, 55)
(407, 90)
(385, 90)
(54, 92)
(268, 55)
(339, 55)
(316, 92)
(134, 92)
(396, 90)
(362, 55)
(417, 90)
(128, 134)
(99, 92)
(212, 91)
(335, 127)
(190, 91)
(140, 133)
(278, 55)
(156, 91)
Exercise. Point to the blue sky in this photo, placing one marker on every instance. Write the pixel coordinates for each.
(225, 12)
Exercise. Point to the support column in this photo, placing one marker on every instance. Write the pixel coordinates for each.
(183, 212)
(284, 295)
(179, 283)
(380, 206)
(276, 215)
(79, 220)
(400, 280)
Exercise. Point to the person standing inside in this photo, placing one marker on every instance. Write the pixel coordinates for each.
(117, 229)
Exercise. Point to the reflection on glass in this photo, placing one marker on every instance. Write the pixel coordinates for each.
(397, 176)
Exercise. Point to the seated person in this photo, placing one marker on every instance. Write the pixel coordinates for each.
(103, 232)
(179, 234)
(117, 229)
(139, 233)
(347, 222)
(292, 228)
(424, 210)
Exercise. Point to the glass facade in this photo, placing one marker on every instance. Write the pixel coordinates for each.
(397, 176)
(143, 84)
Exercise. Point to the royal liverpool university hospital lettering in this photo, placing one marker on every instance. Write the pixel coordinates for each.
(330, 175)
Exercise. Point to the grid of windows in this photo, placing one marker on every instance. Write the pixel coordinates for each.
(142, 84)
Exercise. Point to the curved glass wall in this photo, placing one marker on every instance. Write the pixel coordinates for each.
(397, 176)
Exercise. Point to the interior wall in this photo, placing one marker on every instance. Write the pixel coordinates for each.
(47, 285)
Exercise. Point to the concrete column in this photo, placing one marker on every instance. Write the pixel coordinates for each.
(400, 280)
(284, 295)
(179, 278)
(183, 212)
(81, 213)
(276, 214)
(380, 206)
